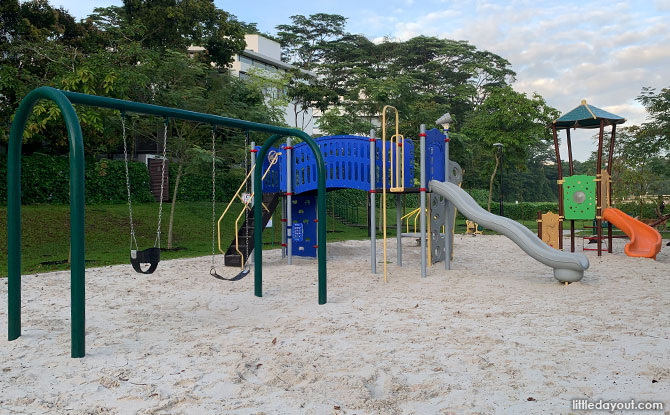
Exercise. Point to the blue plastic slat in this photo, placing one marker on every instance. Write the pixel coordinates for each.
(303, 215)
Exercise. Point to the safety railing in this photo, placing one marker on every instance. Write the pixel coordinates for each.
(272, 157)
(406, 218)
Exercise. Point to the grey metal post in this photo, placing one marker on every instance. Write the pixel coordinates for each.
(373, 209)
(289, 201)
(422, 189)
(449, 208)
(283, 227)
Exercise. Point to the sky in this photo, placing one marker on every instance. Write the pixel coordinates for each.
(601, 51)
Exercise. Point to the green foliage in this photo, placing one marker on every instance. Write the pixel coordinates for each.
(172, 24)
(657, 127)
(480, 195)
(513, 119)
(303, 41)
(46, 179)
(106, 182)
(198, 187)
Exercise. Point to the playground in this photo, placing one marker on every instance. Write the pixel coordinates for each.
(423, 321)
(489, 336)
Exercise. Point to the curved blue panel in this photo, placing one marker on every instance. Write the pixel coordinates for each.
(347, 159)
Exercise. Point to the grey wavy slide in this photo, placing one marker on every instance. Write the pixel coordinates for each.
(568, 267)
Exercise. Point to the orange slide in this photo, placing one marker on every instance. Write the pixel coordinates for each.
(645, 241)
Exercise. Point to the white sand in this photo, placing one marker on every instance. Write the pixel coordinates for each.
(484, 338)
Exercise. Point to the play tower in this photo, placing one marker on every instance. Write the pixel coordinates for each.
(584, 197)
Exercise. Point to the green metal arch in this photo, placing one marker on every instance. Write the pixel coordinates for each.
(320, 209)
(64, 100)
(77, 309)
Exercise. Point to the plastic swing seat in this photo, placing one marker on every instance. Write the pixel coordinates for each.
(151, 256)
(237, 277)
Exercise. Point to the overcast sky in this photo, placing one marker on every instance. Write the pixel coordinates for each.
(601, 51)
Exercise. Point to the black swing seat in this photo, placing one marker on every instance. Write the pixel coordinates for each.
(237, 277)
(151, 256)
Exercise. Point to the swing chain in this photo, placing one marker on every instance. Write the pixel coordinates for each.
(125, 159)
(157, 244)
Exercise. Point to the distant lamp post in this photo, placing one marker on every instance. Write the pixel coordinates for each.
(500, 153)
(445, 121)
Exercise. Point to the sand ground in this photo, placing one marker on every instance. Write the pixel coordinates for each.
(498, 334)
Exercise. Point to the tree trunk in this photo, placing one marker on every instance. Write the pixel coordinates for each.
(493, 176)
(174, 201)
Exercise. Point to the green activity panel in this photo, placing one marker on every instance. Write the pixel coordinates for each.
(579, 197)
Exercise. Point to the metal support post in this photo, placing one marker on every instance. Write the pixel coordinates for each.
(283, 227)
(449, 207)
(422, 197)
(289, 201)
(398, 226)
(373, 210)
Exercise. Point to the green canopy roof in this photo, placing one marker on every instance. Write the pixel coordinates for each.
(587, 116)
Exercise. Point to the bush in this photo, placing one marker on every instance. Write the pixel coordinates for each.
(46, 179)
(198, 187)
(480, 195)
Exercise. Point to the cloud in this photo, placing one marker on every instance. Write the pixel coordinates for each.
(602, 51)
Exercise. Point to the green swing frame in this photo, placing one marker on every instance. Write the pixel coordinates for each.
(65, 100)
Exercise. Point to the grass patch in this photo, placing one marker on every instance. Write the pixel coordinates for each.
(46, 233)
(46, 228)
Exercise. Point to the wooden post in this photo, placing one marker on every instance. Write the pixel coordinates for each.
(539, 224)
(560, 188)
(610, 159)
(572, 172)
(599, 205)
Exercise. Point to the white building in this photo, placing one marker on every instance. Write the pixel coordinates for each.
(265, 54)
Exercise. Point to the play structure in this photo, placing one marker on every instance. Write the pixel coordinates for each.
(378, 165)
(294, 177)
(583, 197)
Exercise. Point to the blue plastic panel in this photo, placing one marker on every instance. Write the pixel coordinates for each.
(434, 155)
(347, 162)
(304, 227)
(272, 182)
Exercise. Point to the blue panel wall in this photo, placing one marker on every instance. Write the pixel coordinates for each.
(304, 227)
(434, 155)
(272, 182)
(347, 163)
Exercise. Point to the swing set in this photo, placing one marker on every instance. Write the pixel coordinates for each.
(65, 100)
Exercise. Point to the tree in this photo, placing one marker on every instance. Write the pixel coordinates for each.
(303, 41)
(178, 24)
(639, 168)
(516, 121)
(657, 126)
